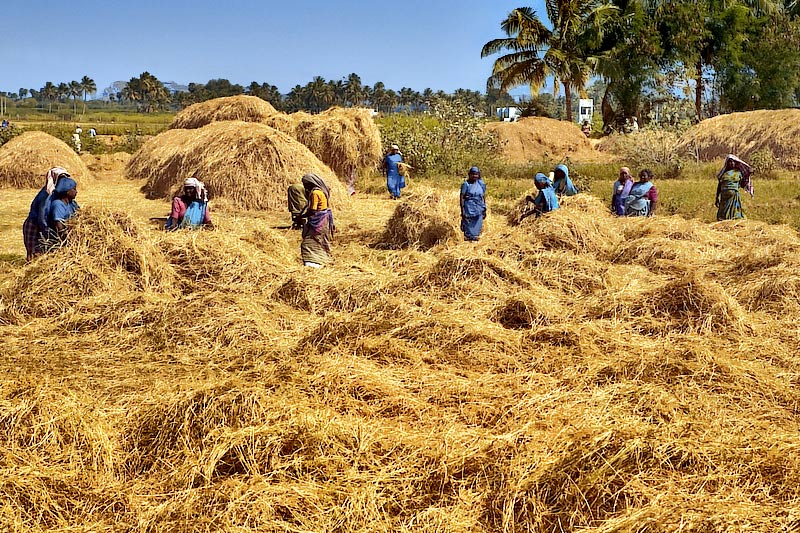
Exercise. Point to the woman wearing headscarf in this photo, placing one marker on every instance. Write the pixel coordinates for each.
(561, 182)
(62, 208)
(190, 209)
(394, 179)
(315, 248)
(620, 191)
(473, 205)
(735, 174)
(642, 201)
(296, 201)
(546, 200)
(35, 227)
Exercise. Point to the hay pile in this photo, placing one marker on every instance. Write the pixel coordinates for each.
(251, 165)
(745, 134)
(542, 139)
(543, 379)
(25, 160)
(241, 108)
(423, 220)
(347, 140)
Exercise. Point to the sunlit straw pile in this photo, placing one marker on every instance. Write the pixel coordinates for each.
(251, 165)
(542, 139)
(25, 160)
(422, 220)
(744, 134)
(575, 373)
(347, 140)
(241, 108)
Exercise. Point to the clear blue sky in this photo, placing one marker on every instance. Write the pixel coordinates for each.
(412, 43)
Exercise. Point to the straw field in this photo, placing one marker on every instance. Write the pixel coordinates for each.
(543, 139)
(249, 165)
(241, 107)
(746, 134)
(25, 160)
(572, 373)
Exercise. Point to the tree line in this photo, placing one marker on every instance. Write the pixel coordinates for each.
(147, 93)
(724, 55)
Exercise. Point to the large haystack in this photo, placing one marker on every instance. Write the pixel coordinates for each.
(25, 160)
(250, 165)
(542, 139)
(347, 140)
(744, 134)
(422, 221)
(241, 107)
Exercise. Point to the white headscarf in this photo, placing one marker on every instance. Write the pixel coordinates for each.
(202, 193)
(52, 177)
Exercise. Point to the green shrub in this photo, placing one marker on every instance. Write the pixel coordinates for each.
(764, 163)
(6, 134)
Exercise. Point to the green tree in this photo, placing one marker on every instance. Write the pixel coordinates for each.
(75, 91)
(694, 32)
(49, 93)
(536, 52)
(354, 92)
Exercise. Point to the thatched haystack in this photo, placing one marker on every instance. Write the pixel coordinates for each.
(542, 139)
(250, 165)
(422, 221)
(745, 134)
(25, 160)
(240, 107)
(347, 140)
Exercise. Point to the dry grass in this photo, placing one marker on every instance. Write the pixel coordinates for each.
(25, 160)
(249, 165)
(569, 374)
(744, 134)
(347, 140)
(543, 139)
(422, 220)
(240, 108)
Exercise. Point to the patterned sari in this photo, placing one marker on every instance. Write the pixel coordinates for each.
(729, 201)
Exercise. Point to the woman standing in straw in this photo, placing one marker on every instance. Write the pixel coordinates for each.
(561, 182)
(315, 249)
(62, 208)
(734, 174)
(391, 167)
(35, 228)
(473, 205)
(620, 191)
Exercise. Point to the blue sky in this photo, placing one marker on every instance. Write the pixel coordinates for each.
(413, 43)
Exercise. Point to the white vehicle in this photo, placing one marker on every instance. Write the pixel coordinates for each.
(585, 110)
(509, 114)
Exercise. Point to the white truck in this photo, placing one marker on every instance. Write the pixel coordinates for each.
(509, 114)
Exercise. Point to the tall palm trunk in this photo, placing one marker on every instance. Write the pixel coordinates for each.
(698, 91)
(568, 100)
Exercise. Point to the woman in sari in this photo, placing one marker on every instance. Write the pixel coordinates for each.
(561, 182)
(735, 174)
(473, 205)
(35, 227)
(62, 208)
(315, 249)
(190, 209)
(620, 191)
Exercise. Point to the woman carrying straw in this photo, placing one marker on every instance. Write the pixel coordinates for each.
(190, 209)
(62, 208)
(546, 200)
(35, 228)
(315, 249)
(473, 205)
(735, 174)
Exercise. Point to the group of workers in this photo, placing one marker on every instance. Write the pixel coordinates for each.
(310, 207)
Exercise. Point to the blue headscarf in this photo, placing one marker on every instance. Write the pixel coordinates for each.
(64, 185)
(564, 185)
(541, 178)
(474, 170)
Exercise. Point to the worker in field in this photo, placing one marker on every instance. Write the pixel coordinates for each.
(734, 175)
(561, 182)
(546, 199)
(315, 248)
(297, 202)
(394, 179)
(62, 208)
(35, 227)
(190, 209)
(620, 191)
(642, 200)
(473, 205)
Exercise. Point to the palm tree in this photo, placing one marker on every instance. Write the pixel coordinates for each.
(49, 92)
(706, 41)
(88, 86)
(565, 50)
(354, 90)
(75, 90)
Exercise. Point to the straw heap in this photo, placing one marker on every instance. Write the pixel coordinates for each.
(25, 160)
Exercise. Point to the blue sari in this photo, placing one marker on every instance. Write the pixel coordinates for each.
(564, 186)
(473, 211)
